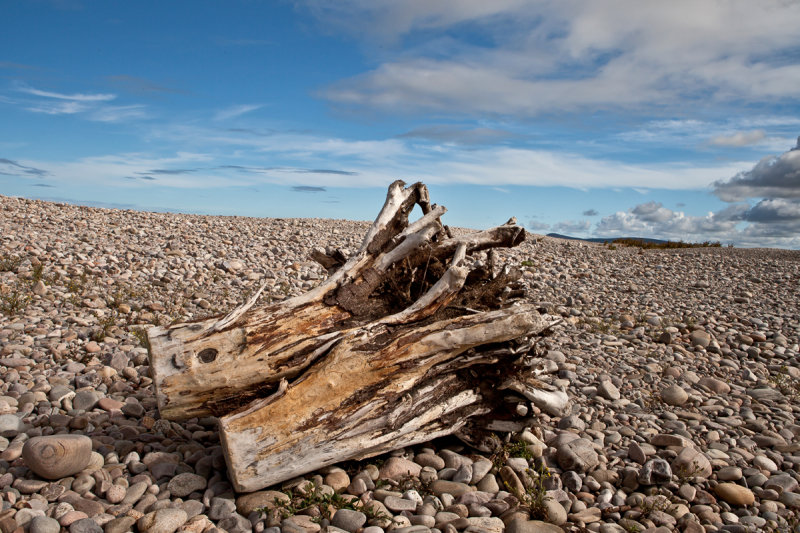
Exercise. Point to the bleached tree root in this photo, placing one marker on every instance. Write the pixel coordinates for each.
(407, 340)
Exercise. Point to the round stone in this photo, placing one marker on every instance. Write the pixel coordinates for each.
(44, 524)
(674, 395)
(57, 456)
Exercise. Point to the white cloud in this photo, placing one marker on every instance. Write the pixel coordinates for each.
(535, 225)
(572, 227)
(59, 108)
(655, 221)
(740, 138)
(569, 55)
(118, 113)
(77, 97)
(236, 111)
(90, 106)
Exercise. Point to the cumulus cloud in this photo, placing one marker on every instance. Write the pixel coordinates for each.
(653, 220)
(590, 213)
(652, 212)
(777, 210)
(772, 177)
(740, 138)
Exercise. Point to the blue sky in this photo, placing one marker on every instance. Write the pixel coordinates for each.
(592, 118)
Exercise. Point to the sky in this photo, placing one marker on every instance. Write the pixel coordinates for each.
(592, 118)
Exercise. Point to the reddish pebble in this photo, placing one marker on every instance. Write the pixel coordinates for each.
(109, 404)
(71, 516)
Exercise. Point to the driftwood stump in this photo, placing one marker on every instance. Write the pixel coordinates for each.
(409, 339)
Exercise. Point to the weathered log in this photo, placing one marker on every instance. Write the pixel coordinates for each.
(406, 340)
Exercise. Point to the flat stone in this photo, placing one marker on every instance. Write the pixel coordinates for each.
(396, 468)
(162, 521)
(57, 456)
(691, 463)
(185, 484)
(85, 525)
(578, 455)
(121, 524)
(348, 519)
(735, 494)
(247, 503)
(608, 390)
(532, 526)
(715, 385)
(85, 400)
(441, 486)
(395, 504)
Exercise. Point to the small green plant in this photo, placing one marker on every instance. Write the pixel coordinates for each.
(535, 496)
(9, 263)
(786, 384)
(321, 504)
(631, 527)
(36, 274)
(106, 323)
(786, 524)
(527, 263)
(77, 285)
(14, 299)
(141, 335)
(687, 472)
(655, 503)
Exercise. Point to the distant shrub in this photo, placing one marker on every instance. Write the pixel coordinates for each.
(647, 245)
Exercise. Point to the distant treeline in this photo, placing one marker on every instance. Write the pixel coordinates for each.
(649, 244)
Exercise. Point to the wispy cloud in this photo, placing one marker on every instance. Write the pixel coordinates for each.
(119, 113)
(457, 134)
(740, 138)
(590, 213)
(18, 66)
(76, 97)
(308, 188)
(13, 168)
(572, 227)
(91, 106)
(236, 111)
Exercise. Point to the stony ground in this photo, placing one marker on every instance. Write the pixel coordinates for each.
(681, 367)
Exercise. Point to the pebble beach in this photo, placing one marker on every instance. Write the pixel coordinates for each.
(682, 369)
